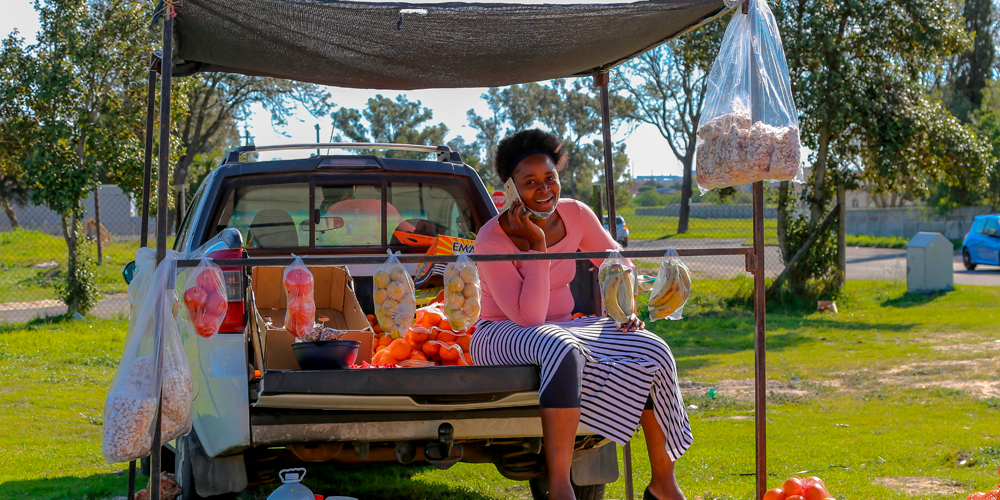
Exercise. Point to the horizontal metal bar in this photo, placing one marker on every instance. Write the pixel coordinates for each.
(340, 260)
(350, 145)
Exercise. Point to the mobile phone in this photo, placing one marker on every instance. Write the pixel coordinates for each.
(511, 192)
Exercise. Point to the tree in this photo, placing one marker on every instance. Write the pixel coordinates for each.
(855, 70)
(12, 192)
(973, 67)
(218, 101)
(71, 113)
(668, 85)
(571, 111)
(384, 120)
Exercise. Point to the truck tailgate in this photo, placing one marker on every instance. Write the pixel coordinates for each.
(402, 389)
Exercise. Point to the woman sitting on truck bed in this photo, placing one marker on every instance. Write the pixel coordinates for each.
(593, 373)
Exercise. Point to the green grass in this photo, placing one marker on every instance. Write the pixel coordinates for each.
(865, 240)
(651, 227)
(22, 249)
(875, 391)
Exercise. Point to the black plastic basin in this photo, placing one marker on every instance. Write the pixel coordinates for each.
(326, 354)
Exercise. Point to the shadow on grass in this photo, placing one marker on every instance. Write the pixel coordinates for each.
(372, 482)
(913, 299)
(367, 482)
(96, 487)
(6, 327)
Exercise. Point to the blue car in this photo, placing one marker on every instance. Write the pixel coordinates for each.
(982, 244)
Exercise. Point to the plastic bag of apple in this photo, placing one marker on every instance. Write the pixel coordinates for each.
(796, 488)
(431, 341)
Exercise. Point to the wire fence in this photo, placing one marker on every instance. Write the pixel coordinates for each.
(33, 257)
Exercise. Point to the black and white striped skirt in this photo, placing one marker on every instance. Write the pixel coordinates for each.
(621, 371)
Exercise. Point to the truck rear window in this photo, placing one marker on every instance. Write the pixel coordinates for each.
(278, 216)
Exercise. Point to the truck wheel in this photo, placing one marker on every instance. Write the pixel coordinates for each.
(540, 490)
(967, 260)
(220, 471)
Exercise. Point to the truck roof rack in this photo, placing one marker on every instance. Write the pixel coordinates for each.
(444, 153)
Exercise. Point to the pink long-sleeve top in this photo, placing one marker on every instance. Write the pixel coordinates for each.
(535, 292)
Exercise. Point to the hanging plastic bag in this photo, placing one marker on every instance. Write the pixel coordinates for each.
(618, 287)
(205, 298)
(395, 303)
(462, 293)
(300, 313)
(671, 289)
(749, 129)
(130, 406)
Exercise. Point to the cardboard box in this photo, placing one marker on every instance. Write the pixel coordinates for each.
(335, 301)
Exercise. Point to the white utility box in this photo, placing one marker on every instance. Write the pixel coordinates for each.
(929, 258)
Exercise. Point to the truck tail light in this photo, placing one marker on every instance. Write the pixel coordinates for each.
(235, 319)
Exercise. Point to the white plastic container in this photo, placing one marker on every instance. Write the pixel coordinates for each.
(292, 489)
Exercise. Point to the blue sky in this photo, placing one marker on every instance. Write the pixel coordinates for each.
(648, 151)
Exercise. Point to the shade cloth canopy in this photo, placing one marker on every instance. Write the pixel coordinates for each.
(414, 45)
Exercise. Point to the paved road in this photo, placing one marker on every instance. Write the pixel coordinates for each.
(17, 312)
(890, 264)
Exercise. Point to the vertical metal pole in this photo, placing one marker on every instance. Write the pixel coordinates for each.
(760, 341)
(602, 79)
(97, 221)
(317, 138)
(147, 159)
(161, 235)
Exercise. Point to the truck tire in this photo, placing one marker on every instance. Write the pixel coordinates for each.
(540, 490)
(222, 473)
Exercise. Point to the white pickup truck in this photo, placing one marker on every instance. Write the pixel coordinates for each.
(251, 420)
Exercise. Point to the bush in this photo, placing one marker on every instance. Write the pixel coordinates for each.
(650, 198)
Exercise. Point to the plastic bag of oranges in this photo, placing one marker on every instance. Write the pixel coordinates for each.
(395, 303)
(449, 352)
(462, 293)
(300, 314)
(205, 298)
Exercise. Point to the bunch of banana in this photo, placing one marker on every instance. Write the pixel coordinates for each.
(618, 286)
(672, 289)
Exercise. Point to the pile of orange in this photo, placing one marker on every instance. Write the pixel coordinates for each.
(431, 341)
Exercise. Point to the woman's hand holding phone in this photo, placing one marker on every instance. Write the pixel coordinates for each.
(521, 225)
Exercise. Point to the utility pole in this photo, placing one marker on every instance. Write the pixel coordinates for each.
(317, 138)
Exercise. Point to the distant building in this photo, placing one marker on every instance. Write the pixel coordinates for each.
(666, 183)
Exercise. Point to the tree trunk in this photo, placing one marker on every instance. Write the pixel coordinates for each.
(819, 180)
(783, 188)
(97, 220)
(841, 234)
(686, 185)
(181, 207)
(14, 224)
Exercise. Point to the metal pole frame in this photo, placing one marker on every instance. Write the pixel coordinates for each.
(757, 102)
(755, 258)
(161, 236)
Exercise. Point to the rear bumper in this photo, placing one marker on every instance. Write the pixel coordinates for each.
(276, 429)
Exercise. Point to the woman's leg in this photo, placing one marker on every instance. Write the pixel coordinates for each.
(559, 430)
(664, 484)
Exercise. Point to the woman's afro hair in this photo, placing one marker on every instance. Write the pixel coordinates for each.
(526, 141)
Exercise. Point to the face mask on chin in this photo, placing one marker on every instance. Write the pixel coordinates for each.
(542, 215)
